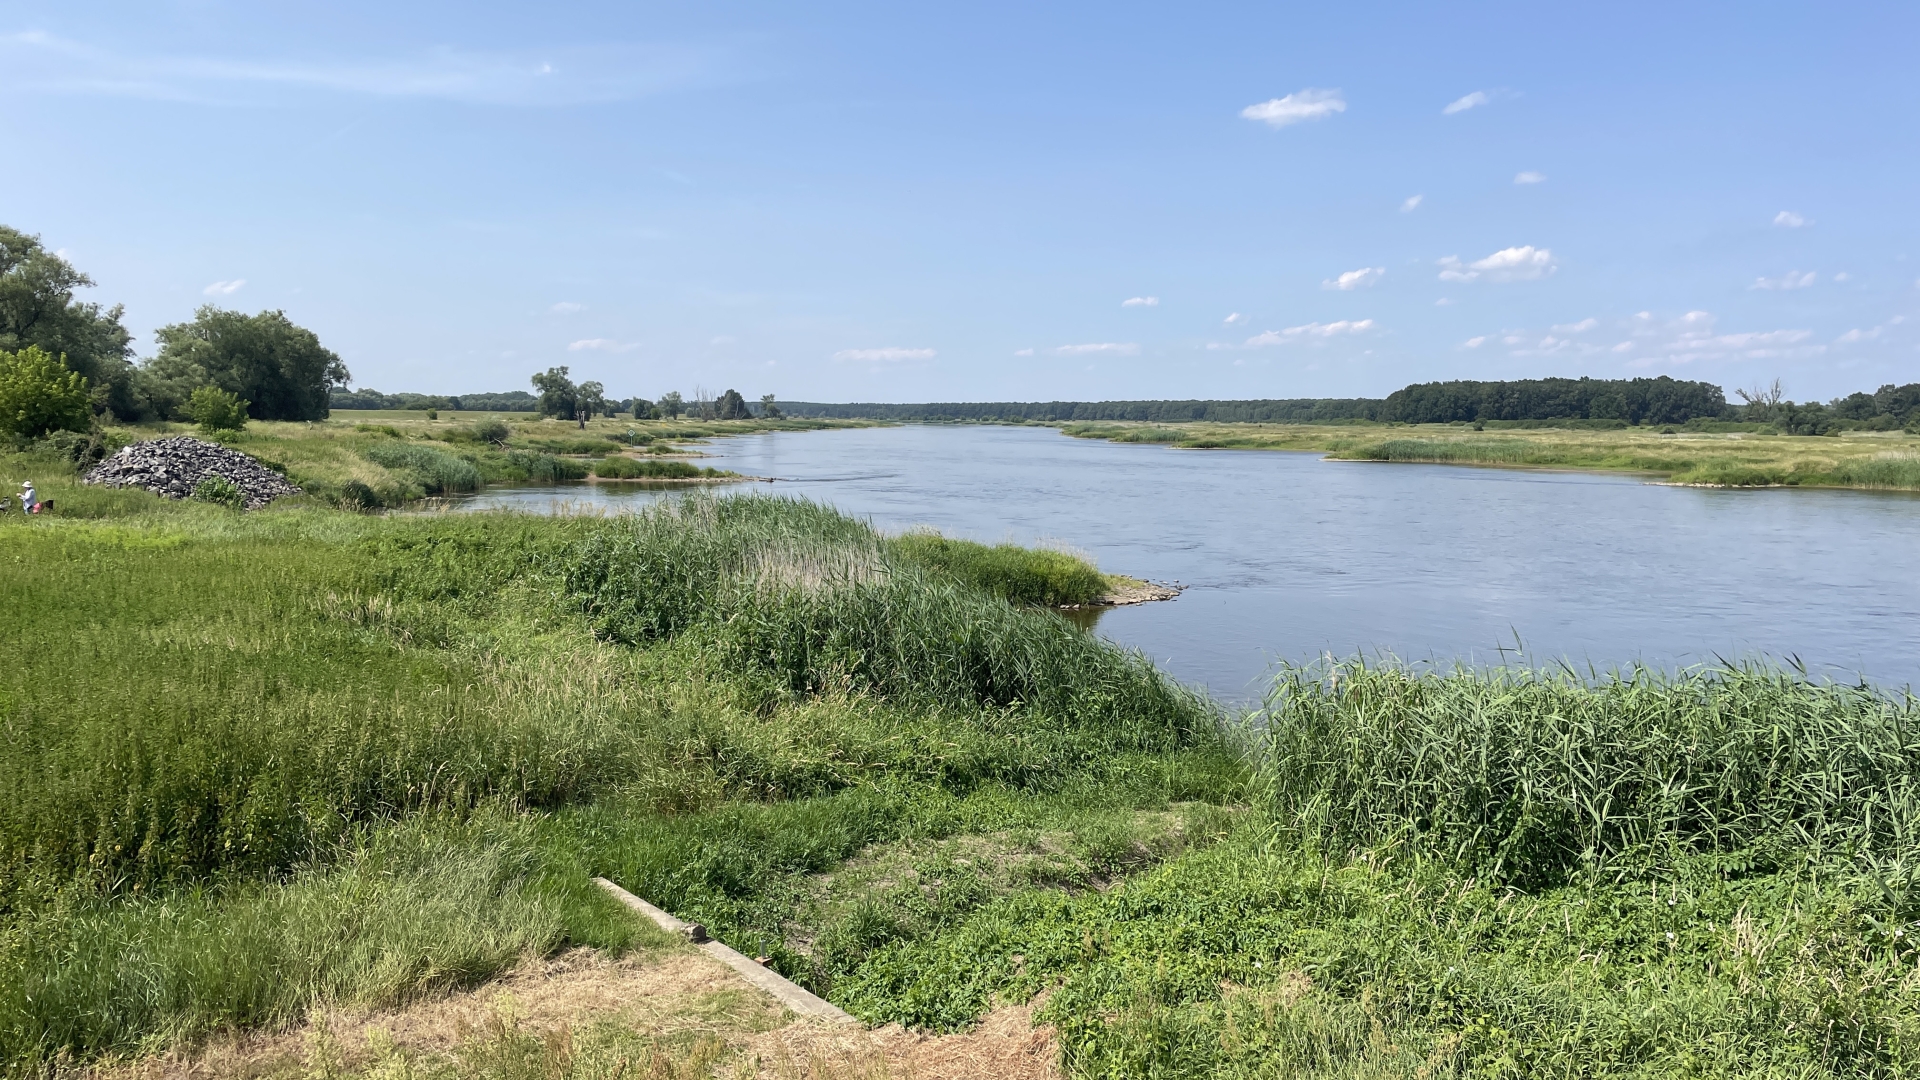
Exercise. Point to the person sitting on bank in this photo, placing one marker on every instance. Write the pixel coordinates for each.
(29, 500)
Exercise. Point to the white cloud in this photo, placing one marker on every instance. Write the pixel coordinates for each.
(567, 307)
(1854, 336)
(1120, 348)
(1141, 301)
(1412, 203)
(1023, 352)
(1309, 332)
(1694, 337)
(1525, 263)
(1530, 177)
(722, 339)
(1580, 327)
(1308, 104)
(600, 344)
(568, 76)
(1792, 279)
(1787, 219)
(1843, 276)
(1355, 279)
(224, 288)
(1474, 342)
(1236, 317)
(1445, 301)
(888, 355)
(1473, 100)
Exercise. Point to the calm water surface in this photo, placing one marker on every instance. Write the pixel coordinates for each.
(1287, 557)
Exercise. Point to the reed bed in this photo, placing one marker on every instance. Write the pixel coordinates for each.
(437, 471)
(1041, 576)
(1530, 775)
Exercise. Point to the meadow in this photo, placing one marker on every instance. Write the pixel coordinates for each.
(1716, 454)
(271, 762)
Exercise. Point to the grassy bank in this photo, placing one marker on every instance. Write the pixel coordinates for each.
(273, 762)
(1705, 455)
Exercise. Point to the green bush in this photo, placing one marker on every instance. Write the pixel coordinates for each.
(1022, 575)
(219, 489)
(38, 394)
(216, 410)
(438, 472)
(538, 467)
(490, 430)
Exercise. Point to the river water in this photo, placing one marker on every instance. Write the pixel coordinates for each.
(1288, 557)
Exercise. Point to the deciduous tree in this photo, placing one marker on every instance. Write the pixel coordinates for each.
(279, 368)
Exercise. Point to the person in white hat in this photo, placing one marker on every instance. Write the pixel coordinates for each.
(28, 499)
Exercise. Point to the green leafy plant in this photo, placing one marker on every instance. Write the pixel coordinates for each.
(38, 394)
(215, 410)
(219, 489)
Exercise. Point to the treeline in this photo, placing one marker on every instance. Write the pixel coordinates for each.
(64, 362)
(1280, 411)
(1661, 400)
(511, 401)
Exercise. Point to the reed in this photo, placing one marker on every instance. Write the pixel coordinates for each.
(437, 471)
(1023, 575)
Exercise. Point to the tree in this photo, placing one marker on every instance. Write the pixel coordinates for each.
(591, 398)
(37, 308)
(215, 409)
(39, 394)
(731, 406)
(280, 369)
(767, 408)
(672, 404)
(558, 395)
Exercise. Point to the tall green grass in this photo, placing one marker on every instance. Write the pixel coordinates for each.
(1451, 451)
(1528, 776)
(1022, 575)
(437, 471)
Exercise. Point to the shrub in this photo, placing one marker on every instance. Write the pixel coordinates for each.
(544, 467)
(219, 489)
(215, 409)
(38, 394)
(482, 431)
(439, 472)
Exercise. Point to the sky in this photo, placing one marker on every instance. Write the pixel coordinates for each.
(992, 201)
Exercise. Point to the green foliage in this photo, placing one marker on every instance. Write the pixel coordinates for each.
(281, 369)
(39, 394)
(672, 404)
(625, 468)
(219, 489)
(558, 396)
(731, 406)
(538, 467)
(1531, 776)
(215, 410)
(1457, 451)
(1022, 575)
(437, 471)
(483, 431)
(37, 308)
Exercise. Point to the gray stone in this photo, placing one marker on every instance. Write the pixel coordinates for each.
(172, 468)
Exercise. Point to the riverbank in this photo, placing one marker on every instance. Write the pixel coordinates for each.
(280, 765)
(1857, 459)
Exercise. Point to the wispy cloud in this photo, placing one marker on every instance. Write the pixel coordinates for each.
(1470, 101)
(1525, 263)
(1308, 104)
(567, 307)
(889, 355)
(1236, 317)
(39, 62)
(1127, 348)
(1355, 279)
(1792, 279)
(600, 344)
(1787, 219)
(1023, 352)
(1141, 301)
(1474, 342)
(1530, 177)
(1580, 327)
(1412, 203)
(1695, 338)
(224, 288)
(1309, 332)
(1856, 335)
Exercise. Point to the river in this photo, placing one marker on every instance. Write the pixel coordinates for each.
(1288, 557)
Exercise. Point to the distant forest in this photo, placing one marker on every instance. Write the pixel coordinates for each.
(1661, 400)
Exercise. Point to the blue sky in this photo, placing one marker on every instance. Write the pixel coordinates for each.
(987, 201)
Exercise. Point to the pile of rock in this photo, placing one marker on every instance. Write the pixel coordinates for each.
(174, 467)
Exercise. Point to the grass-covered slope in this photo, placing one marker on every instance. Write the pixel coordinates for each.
(266, 761)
